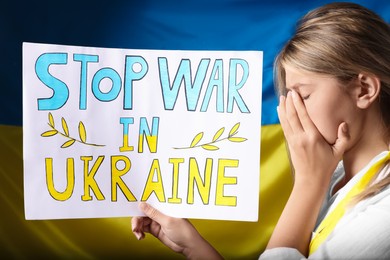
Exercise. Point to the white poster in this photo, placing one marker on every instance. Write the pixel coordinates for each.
(107, 128)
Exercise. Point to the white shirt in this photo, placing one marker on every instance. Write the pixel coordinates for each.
(362, 233)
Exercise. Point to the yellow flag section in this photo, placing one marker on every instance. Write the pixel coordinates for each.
(112, 237)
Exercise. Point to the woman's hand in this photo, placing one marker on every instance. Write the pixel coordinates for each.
(314, 161)
(178, 234)
(312, 157)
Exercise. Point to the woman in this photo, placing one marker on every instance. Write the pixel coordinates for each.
(333, 77)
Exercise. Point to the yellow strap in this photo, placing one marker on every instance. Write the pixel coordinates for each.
(327, 225)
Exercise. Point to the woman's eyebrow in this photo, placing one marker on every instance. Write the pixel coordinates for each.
(296, 86)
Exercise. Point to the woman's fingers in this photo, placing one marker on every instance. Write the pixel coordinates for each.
(289, 116)
(292, 113)
(281, 109)
(175, 233)
(305, 121)
(137, 224)
(140, 225)
(153, 213)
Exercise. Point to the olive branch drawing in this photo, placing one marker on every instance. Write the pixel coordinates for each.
(71, 140)
(210, 146)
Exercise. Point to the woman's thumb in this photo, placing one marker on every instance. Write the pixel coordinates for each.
(342, 140)
(151, 212)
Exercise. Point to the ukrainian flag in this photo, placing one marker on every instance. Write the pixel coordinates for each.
(150, 24)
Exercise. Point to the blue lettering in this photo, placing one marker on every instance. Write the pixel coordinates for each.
(170, 93)
(60, 90)
(132, 74)
(233, 88)
(216, 81)
(84, 59)
(115, 88)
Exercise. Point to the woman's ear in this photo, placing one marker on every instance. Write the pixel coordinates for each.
(368, 88)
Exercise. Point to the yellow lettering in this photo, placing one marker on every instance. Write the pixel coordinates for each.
(89, 180)
(203, 185)
(116, 180)
(126, 122)
(151, 141)
(154, 186)
(61, 196)
(126, 147)
(175, 179)
(222, 180)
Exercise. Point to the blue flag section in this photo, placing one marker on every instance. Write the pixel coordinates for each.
(261, 25)
(175, 25)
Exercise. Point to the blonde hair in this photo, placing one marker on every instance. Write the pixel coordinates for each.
(342, 40)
